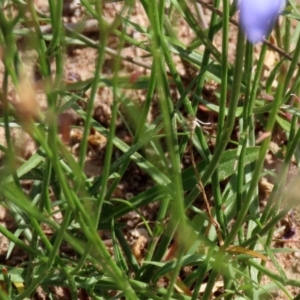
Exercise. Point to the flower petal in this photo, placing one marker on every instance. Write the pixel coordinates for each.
(257, 17)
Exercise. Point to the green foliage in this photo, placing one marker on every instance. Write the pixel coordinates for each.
(225, 245)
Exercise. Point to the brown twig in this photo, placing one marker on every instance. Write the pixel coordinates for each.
(192, 123)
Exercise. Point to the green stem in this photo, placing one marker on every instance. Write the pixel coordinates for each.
(90, 103)
(228, 127)
(257, 171)
(218, 203)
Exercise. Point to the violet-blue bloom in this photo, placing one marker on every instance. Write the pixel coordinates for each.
(257, 17)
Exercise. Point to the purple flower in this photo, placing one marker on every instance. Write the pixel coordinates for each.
(257, 17)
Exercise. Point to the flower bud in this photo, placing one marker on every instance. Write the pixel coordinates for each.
(257, 17)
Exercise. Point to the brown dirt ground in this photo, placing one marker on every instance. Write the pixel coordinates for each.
(79, 65)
